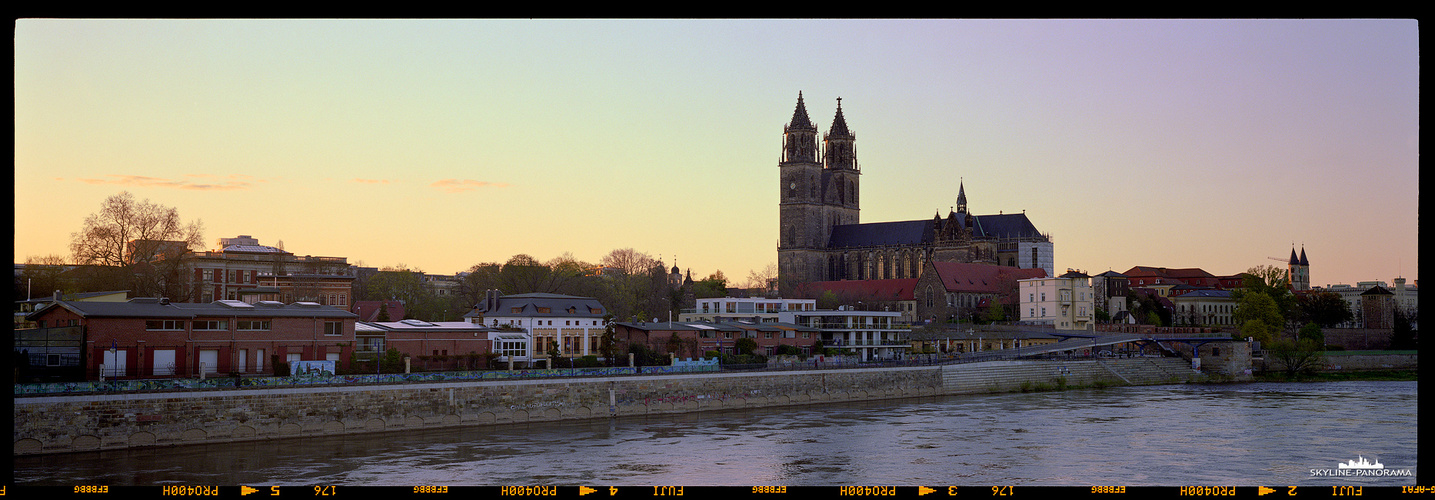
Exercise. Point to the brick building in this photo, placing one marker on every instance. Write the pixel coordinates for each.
(151, 337)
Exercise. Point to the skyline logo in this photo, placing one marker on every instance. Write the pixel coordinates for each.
(1361, 467)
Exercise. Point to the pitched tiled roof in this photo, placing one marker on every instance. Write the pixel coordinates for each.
(980, 278)
(530, 304)
(153, 308)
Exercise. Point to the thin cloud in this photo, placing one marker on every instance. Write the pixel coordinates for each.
(372, 181)
(204, 182)
(461, 185)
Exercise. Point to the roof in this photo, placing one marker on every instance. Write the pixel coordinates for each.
(413, 325)
(911, 232)
(81, 297)
(893, 289)
(916, 232)
(980, 278)
(529, 304)
(1208, 293)
(368, 310)
(730, 326)
(156, 308)
(251, 249)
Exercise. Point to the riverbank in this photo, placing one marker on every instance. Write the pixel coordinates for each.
(84, 422)
(1369, 375)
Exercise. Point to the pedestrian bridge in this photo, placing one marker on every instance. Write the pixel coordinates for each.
(1078, 342)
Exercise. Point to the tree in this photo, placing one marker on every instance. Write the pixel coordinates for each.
(1270, 281)
(143, 239)
(1298, 356)
(1325, 308)
(1258, 306)
(1311, 331)
(42, 277)
(714, 285)
(1402, 336)
(1257, 330)
(745, 345)
(608, 344)
(763, 280)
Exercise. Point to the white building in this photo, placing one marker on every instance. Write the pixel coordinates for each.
(1203, 307)
(1406, 298)
(754, 309)
(874, 335)
(1065, 302)
(574, 324)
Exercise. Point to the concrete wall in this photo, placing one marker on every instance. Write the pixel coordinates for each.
(53, 424)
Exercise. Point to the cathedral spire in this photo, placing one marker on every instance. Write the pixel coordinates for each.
(799, 116)
(840, 151)
(839, 124)
(799, 141)
(961, 197)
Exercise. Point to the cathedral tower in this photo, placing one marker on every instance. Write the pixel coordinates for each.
(840, 172)
(801, 235)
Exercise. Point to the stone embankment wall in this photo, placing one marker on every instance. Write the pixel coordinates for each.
(54, 424)
(1337, 361)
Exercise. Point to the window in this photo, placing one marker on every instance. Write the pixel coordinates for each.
(333, 328)
(211, 325)
(164, 324)
(252, 324)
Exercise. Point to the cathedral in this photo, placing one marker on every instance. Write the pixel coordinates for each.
(821, 236)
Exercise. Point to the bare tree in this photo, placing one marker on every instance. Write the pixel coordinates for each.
(145, 239)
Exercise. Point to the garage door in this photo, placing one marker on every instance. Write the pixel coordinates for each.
(209, 360)
(164, 362)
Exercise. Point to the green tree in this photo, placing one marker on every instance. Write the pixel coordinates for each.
(383, 312)
(995, 313)
(1312, 332)
(1269, 281)
(1252, 306)
(745, 345)
(608, 343)
(393, 361)
(1298, 356)
(713, 286)
(1257, 330)
(1325, 308)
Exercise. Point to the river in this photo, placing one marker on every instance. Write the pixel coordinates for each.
(1191, 434)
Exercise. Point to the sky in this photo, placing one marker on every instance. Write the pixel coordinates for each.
(441, 144)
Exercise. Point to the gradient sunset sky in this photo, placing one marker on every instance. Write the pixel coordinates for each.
(440, 144)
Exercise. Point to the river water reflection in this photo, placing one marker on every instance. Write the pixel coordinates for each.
(1239, 434)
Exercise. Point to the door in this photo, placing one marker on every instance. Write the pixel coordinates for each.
(243, 360)
(114, 363)
(259, 361)
(163, 362)
(209, 360)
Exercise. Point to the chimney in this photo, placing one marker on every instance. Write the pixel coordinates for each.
(57, 295)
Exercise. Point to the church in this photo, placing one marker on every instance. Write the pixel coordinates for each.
(821, 236)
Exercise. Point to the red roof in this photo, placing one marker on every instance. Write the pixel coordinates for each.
(981, 278)
(880, 290)
(368, 310)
